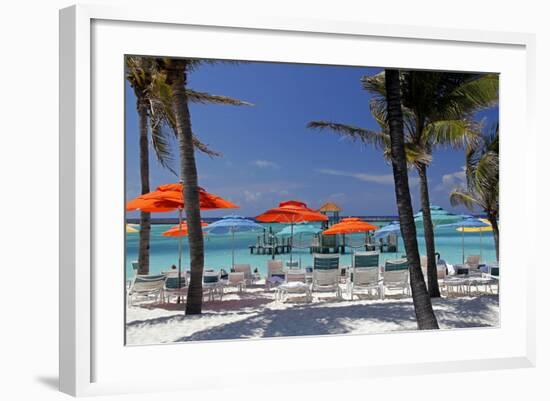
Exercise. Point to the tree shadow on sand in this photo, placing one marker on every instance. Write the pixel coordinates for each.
(307, 320)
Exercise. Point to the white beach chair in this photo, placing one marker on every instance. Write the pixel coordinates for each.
(364, 272)
(173, 287)
(472, 261)
(275, 273)
(326, 274)
(365, 278)
(146, 286)
(212, 285)
(237, 280)
(247, 270)
(295, 283)
(396, 276)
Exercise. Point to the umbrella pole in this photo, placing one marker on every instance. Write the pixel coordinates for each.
(462, 245)
(480, 247)
(179, 251)
(291, 241)
(232, 249)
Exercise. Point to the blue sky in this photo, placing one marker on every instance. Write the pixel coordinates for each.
(268, 153)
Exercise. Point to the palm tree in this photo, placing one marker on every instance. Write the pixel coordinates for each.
(482, 180)
(440, 106)
(176, 73)
(425, 316)
(437, 110)
(155, 109)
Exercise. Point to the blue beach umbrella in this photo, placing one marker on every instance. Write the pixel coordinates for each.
(466, 222)
(391, 229)
(230, 225)
(439, 216)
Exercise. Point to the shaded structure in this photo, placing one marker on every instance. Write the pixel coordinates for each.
(332, 211)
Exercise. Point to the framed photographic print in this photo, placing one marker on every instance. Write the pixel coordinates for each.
(289, 194)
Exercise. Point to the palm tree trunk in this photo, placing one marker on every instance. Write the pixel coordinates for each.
(145, 224)
(494, 224)
(425, 316)
(177, 76)
(433, 286)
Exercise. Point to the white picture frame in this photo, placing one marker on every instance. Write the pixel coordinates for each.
(95, 361)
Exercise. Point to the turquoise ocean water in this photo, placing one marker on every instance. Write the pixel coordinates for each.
(164, 250)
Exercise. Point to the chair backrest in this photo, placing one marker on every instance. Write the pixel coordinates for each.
(473, 261)
(325, 262)
(274, 267)
(172, 281)
(243, 268)
(396, 276)
(366, 259)
(236, 277)
(211, 277)
(326, 277)
(493, 270)
(396, 264)
(135, 266)
(441, 271)
(366, 275)
(148, 283)
(295, 275)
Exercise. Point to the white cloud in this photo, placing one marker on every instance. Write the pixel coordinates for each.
(452, 180)
(265, 164)
(250, 196)
(383, 179)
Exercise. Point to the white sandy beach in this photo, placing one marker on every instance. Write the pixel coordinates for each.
(255, 314)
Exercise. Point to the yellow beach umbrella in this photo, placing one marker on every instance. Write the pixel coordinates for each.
(477, 229)
(131, 229)
(487, 228)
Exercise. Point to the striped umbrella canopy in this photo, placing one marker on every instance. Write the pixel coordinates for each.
(439, 216)
(468, 222)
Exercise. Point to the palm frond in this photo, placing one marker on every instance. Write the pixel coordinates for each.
(459, 133)
(204, 98)
(460, 196)
(204, 148)
(161, 146)
(355, 133)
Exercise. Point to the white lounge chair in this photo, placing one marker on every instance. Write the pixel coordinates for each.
(212, 285)
(146, 286)
(364, 273)
(326, 274)
(275, 273)
(236, 280)
(173, 287)
(472, 261)
(247, 270)
(396, 276)
(295, 283)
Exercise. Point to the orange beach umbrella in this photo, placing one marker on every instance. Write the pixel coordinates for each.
(291, 212)
(168, 198)
(178, 230)
(350, 225)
